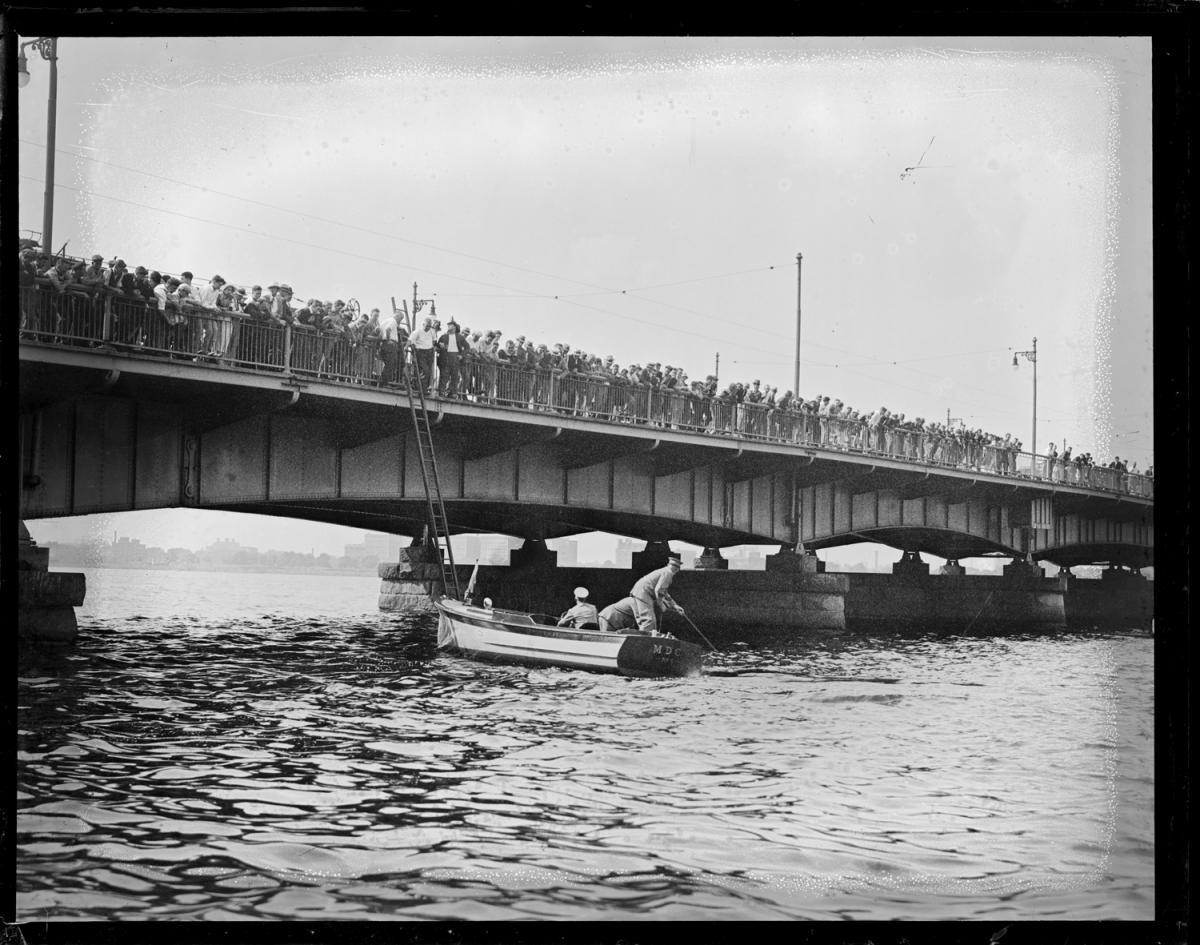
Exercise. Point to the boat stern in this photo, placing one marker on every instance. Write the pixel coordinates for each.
(659, 656)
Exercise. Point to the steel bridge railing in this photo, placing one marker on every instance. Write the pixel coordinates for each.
(133, 326)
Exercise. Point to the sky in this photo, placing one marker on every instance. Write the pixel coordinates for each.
(647, 198)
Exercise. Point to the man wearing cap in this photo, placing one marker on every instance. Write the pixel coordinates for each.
(142, 284)
(115, 276)
(650, 595)
(582, 616)
(281, 311)
(451, 347)
(93, 275)
(119, 281)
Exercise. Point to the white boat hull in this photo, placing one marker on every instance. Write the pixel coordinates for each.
(512, 637)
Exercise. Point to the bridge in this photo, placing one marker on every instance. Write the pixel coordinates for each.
(116, 414)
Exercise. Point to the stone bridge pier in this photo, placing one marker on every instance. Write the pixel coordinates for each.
(794, 594)
(46, 600)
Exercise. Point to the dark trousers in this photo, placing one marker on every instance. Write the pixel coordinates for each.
(389, 351)
(448, 381)
(424, 358)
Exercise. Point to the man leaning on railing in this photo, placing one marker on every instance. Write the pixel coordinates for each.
(521, 374)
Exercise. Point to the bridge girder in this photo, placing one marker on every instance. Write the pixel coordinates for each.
(524, 520)
(342, 453)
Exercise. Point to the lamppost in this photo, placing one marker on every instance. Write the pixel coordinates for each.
(796, 377)
(48, 47)
(1031, 356)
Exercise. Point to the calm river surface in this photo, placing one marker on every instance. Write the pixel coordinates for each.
(236, 746)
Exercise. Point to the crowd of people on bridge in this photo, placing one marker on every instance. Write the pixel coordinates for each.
(220, 322)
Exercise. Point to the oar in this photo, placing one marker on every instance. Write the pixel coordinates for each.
(800, 674)
(711, 646)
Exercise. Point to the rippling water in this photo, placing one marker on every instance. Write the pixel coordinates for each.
(224, 746)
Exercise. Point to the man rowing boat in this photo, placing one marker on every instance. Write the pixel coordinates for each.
(651, 597)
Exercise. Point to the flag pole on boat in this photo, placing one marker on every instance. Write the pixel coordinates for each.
(467, 594)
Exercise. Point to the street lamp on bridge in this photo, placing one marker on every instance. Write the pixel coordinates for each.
(1031, 356)
(48, 47)
(796, 375)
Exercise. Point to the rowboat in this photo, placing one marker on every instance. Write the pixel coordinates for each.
(509, 636)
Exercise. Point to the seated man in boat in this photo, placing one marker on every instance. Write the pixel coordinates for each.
(583, 615)
(650, 595)
(619, 617)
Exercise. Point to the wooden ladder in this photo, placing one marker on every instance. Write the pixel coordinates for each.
(429, 477)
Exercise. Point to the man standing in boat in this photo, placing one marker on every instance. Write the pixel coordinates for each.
(651, 597)
(583, 615)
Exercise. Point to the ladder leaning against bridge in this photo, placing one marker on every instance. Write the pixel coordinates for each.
(440, 529)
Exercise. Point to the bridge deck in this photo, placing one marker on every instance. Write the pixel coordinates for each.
(289, 357)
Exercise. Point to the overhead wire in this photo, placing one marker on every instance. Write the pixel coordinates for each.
(360, 256)
(363, 256)
(507, 291)
(601, 290)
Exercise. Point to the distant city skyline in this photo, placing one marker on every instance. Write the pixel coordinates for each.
(196, 531)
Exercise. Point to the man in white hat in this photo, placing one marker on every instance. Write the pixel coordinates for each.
(583, 615)
(281, 311)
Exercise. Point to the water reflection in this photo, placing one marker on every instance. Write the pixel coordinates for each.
(343, 768)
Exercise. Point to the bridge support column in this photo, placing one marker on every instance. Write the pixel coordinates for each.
(654, 555)
(1022, 570)
(711, 560)
(795, 561)
(408, 586)
(533, 555)
(727, 605)
(46, 600)
(911, 565)
(1119, 600)
(952, 568)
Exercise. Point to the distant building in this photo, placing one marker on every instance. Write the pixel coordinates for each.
(374, 548)
(745, 560)
(568, 552)
(486, 549)
(126, 552)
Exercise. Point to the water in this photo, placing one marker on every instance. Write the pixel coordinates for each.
(230, 746)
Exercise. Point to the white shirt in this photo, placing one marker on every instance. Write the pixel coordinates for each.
(388, 329)
(581, 613)
(423, 339)
(208, 296)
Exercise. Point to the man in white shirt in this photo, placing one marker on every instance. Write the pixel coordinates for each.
(389, 346)
(423, 341)
(217, 330)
